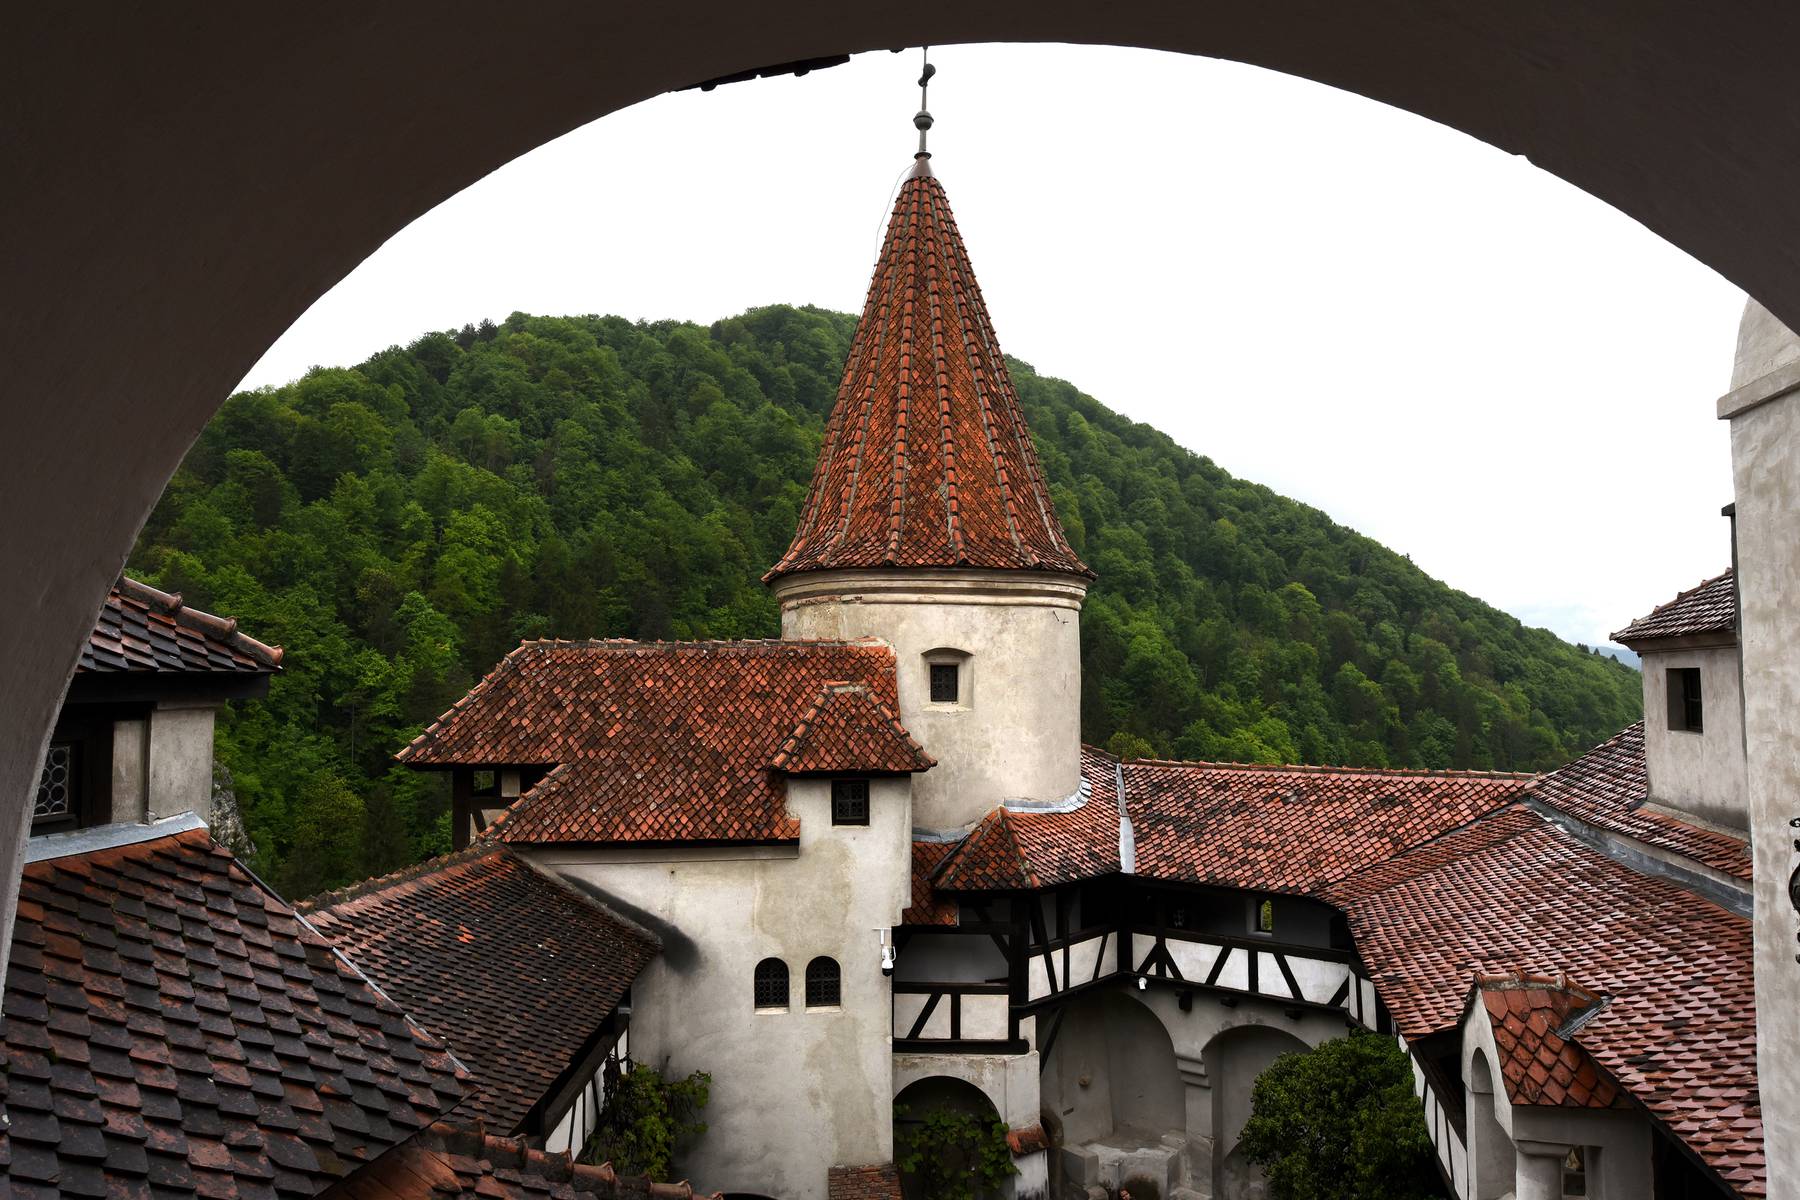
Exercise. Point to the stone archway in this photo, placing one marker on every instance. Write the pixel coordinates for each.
(1112, 1081)
(1493, 1162)
(173, 211)
(1233, 1061)
(920, 1098)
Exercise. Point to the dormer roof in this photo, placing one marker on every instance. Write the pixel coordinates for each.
(927, 461)
(1708, 608)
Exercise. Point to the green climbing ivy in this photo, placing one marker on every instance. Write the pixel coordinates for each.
(952, 1155)
(647, 1120)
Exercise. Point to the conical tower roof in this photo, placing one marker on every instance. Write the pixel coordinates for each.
(927, 462)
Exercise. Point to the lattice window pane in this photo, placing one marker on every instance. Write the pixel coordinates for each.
(771, 987)
(849, 802)
(56, 786)
(943, 683)
(824, 988)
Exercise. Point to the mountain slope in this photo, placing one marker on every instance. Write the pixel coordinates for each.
(400, 525)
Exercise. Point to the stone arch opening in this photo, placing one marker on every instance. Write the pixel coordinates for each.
(922, 1097)
(1111, 1080)
(1233, 1059)
(1493, 1162)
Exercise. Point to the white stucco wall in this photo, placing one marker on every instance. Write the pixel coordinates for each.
(1701, 774)
(1764, 411)
(181, 761)
(794, 1092)
(1016, 731)
(131, 770)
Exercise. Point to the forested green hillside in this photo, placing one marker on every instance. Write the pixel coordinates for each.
(400, 525)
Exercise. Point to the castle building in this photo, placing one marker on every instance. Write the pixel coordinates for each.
(883, 870)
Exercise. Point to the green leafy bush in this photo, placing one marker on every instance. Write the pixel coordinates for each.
(950, 1154)
(647, 1121)
(1341, 1123)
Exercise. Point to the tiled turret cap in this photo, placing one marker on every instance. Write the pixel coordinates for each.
(927, 461)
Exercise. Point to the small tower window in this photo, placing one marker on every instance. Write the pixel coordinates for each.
(1684, 699)
(57, 800)
(824, 988)
(945, 683)
(849, 802)
(771, 986)
(1262, 916)
(1574, 1173)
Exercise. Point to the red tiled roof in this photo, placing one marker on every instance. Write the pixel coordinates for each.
(986, 860)
(171, 1025)
(1512, 890)
(927, 461)
(657, 741)
(849, 728)
(928, 907)
(1607, 786)
(515, 971)
(1531, 1016)
(1710, 607)
(1294, 829)
(1012, 849)
(450, 1161)
(863, 1183)
(142, 629)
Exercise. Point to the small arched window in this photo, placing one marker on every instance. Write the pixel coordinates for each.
(771, 986)
(824, 989)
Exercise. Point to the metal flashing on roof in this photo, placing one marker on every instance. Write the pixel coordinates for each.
(46, 846)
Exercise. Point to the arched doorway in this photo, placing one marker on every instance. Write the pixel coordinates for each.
(1233, 1061)
(1493, 1163)
(918, 1102)
(1112, 1082)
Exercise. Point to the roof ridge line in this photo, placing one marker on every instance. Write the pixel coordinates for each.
(946, 436)
(171, 605)
(333, 897)
(897, 480)
(1332, 769)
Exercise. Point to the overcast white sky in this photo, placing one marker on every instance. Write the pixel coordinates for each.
(1435, 342)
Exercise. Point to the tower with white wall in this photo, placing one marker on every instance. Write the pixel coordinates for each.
(929, 526)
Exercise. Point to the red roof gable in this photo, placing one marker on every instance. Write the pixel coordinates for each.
(1533, 1019)
(656, 741)
(849, 728)
(1511, 889)
(172, 1025)
(927, 461)
(515, 971)
(1710, 607)
(142, 629)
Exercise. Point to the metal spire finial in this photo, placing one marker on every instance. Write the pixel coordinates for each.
(922, 121)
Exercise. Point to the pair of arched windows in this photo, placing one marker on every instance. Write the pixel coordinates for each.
(824, 983)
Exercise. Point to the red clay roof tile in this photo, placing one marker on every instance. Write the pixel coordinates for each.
(849, 728)
(225, 1048)
(656, 741)
(928, 907)
(514, 970)
(927, 461)
(1540, 1063)
(1607, 787)
(1511, 889)
(462, 1160)
(142, 629)
(1710, 607)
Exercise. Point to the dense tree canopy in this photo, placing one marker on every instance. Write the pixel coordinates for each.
(400, 525)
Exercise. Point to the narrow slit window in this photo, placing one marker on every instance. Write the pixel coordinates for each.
(945, 687)
(824, 985)
(1685, 711)
(771, 987)
(1265, 915)
(849, 802)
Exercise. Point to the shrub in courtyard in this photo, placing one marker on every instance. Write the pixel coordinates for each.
(1341, 1123)
(949, 1154)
